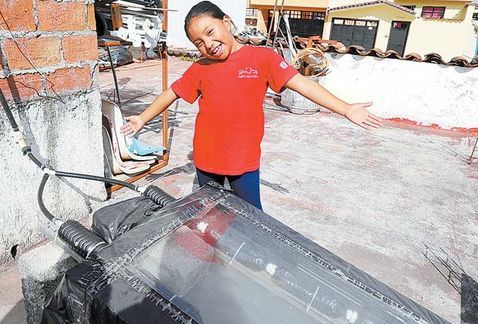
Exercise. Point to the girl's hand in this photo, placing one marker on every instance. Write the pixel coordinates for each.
(357, 114)
(134, 125)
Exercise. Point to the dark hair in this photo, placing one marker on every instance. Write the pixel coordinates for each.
(203, 8)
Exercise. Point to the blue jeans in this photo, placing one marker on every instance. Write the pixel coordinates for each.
(246, 185)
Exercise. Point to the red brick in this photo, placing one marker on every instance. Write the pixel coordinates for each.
(17, 15)
(61, 16)
(23, 86)
(69, 79)
(80, 48)
(91, 17)
(41, 51)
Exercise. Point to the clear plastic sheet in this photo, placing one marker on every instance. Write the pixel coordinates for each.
(212, 258)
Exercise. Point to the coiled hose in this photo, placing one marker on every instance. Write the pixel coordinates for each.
(80, 239)
(76, 236)
(159, 196)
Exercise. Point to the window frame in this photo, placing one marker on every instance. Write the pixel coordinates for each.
(301, 14)
(251, 12)
(429, 12)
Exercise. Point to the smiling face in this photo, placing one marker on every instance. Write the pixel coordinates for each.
(212, 37)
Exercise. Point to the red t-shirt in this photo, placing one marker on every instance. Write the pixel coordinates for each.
(230, 122)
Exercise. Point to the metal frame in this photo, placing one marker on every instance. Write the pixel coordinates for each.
(474, 148)
(164, 60)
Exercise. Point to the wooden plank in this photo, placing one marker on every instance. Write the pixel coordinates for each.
(154, 168)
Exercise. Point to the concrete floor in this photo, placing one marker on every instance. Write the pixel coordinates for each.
(373, 198)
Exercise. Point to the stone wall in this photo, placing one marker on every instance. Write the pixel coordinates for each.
(48, 53)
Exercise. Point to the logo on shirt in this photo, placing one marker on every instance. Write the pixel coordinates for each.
(283, 65)
(248, 73)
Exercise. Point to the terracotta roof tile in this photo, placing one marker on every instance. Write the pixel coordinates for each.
(434, 58)
(372, 3)
(459, 61)
(413, 57)
(354, 50)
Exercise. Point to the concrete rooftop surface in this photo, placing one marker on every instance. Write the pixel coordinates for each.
(374, 198)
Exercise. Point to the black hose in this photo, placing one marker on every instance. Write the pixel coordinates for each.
(80, 239)
(159, 196)
(43, 208)
(27, 151)
(8, 112)
(62, 174)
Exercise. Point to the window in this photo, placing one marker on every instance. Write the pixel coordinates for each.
(251, 12)
(372, 24)
(318, 15)
(295, 14)
(433, 12)
(307, 15)
(475, 16)
(410, 7)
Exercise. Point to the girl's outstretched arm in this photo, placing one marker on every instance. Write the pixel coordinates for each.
(313, 91)
(136, 122)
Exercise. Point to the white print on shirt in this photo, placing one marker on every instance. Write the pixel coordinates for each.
(283, 65)
(248, 73)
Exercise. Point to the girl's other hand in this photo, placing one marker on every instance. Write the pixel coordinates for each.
(134, 125)
(357, 114)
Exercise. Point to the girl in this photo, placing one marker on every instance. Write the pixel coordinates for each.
(231, 81)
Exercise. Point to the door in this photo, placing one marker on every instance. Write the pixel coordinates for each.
(305, 27)
(354, 32)
(398, 36)
(302, 23)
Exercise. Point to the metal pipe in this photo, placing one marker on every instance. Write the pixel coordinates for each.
(114, 76)
(281, 12)
(271, 22)
(474, 148)
(164, 80)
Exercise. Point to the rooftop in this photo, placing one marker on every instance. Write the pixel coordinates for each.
(374, 198)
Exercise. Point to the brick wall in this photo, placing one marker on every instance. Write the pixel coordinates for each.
(47, 47)
(48, 73)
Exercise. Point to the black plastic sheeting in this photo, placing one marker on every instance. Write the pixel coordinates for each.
(112, 221)
(469, 299)
(212, 258)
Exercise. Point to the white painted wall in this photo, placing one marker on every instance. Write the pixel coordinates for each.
(423, 92)
(68, 135)
(236, 9)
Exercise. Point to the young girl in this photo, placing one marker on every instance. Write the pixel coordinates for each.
(231, 81)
